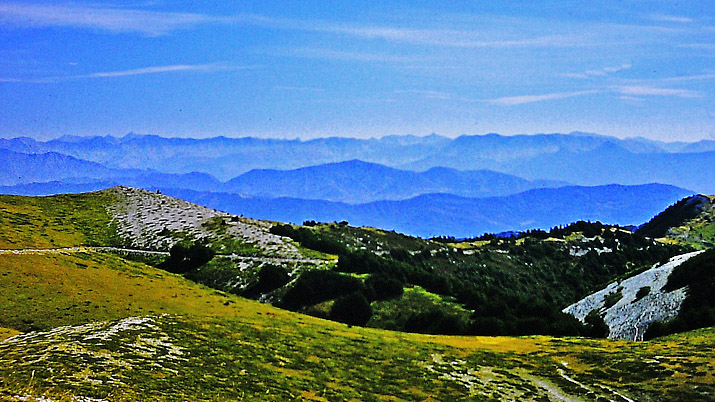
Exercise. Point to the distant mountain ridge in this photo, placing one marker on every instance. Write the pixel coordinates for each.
(577, 158)
(18, 168)
(356, 181)
(352, 181)
(445, 214)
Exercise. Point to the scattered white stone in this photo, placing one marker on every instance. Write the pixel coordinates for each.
(629, 318)
(150, 220)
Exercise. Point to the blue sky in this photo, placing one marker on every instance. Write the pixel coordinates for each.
(364, 69)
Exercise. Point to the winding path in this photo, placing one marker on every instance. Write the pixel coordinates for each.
(121, 250)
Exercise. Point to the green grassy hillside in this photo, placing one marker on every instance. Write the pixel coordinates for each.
(486, 286)
(690, 221)
(213, 346)
(120, 330)
(58, 221)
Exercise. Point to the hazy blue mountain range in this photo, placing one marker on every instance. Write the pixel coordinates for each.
(52, 173)
(446, 214)
(352, 181)
(560, 157)
(359, 182)
(226, 158)
(194, 181)
(17, 168)
(611, 161)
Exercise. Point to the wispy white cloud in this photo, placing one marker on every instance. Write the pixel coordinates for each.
(332, 54)
(703, 46)
(598, 73)
(626, 92)
(522, 99)
(669, 18)
(642, 90)
(214, 67)
(115, 20)
(429, 94)
(157, 23)
(165, 69)
(452, 38)
(697, 77)
(633, 100)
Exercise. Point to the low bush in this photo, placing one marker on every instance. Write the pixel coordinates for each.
(317, 286)
(353, 309)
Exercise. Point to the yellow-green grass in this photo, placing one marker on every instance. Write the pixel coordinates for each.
(237, 349)
(57, 221)
(243, 350)
(698, 232)
(41, 291)
(7, 333)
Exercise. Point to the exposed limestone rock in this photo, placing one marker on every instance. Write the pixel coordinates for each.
(629, 318)
(154, 221)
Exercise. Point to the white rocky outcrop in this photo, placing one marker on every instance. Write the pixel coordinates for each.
(629, 318)
(149, 220)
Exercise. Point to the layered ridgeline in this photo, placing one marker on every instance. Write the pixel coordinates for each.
(576, 158)
(432, 215)
(422, 186)
(109, 326)
(673, 296)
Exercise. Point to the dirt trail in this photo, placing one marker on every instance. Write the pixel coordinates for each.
(121, 250)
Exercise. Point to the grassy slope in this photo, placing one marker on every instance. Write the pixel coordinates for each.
(57, 221)
(238, 349)
(699, 231)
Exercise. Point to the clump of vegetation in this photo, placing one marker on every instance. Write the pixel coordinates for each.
(317, 286)
(353, 309)
(642, 292)
(183, 259)
(383, 287)
(674, 216)
(270, 277)
(435, 321)
(309, 238)
(596, 326)
(612, 298)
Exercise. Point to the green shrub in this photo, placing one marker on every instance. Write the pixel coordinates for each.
(317, 286)
(270, 277)
(611, 299)
(642, 292)
(596, 326)
(183, 259)
(383, 287)
(435, 321)
(352, 309)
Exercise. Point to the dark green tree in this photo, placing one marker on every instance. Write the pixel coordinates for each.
(352, 309)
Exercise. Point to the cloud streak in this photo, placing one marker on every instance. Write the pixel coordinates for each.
(598, 73)
(156, 23)
(114, 20)
(327, 54)
(628, 92)
(641, 90)
(207, 68)
(523, 99)
(429, 94)
(669, 18)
